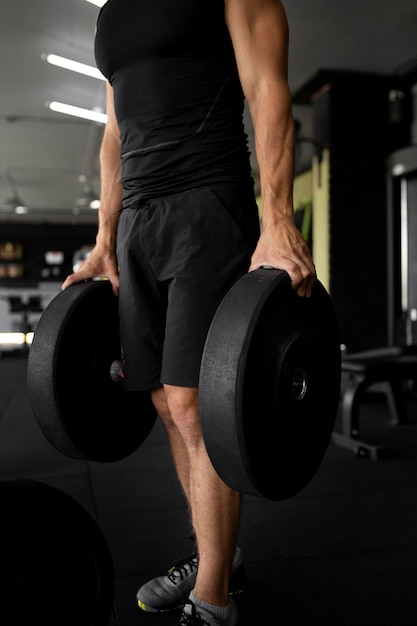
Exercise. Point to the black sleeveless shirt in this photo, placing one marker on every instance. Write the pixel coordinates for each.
(178, 99)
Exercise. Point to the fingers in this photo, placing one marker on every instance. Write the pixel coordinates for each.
(305, 288)
(301, 272)
(77, 277)
(70, 280)
(282, 246)
(303, 278)
(99, 265)
(81, 276)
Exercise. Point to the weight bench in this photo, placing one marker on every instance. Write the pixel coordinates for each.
(390, 367)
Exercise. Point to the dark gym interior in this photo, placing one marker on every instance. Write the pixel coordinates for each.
(78, 537)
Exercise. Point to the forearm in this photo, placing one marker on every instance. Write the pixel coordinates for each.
(110, 175)
(102, 262)
(111, 190)
(274, 144)
(259, 32)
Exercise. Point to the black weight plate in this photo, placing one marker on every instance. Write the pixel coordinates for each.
(81, 411)
(56, 567)
(270, 384)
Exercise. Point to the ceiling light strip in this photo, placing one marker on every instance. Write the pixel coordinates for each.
(87, 114)
(74, 66)
(98, 3)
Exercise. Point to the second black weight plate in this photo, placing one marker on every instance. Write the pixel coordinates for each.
(80, 409)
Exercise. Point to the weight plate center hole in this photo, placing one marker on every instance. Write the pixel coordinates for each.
(116, 371)
(299, 383)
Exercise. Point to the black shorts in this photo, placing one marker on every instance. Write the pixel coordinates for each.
(178, 255)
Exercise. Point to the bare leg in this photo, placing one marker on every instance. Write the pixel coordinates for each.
(177, 445)
(215, 508)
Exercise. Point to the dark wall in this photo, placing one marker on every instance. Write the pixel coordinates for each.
(359, 120)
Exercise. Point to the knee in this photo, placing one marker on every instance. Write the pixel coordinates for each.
(178, 409)
(160, 403)
(182, 403)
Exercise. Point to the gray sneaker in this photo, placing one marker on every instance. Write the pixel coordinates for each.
(170, 592)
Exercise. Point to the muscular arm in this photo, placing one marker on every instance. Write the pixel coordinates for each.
(102, 261)
(259, 33)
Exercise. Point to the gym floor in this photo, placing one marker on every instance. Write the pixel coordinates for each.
(343, 552)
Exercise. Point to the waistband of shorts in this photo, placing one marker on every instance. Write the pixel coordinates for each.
(245, 188)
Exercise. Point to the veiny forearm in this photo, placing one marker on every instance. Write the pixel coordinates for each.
(259, 32)
(274, 144)
(111, 189)
(102, 261)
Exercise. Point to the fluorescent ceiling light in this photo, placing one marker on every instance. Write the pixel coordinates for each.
(12, 339)
(21, 209)
(87, 114)
(74, 66)
(98, 3)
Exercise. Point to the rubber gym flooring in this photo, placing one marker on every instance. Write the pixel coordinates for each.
(343, 552)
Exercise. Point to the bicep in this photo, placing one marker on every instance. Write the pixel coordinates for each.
(112, 128)
(259, 33)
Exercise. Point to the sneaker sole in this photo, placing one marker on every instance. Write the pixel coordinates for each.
(237, 586)
(150, 609)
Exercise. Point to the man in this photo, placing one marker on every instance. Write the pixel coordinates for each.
(177, 199)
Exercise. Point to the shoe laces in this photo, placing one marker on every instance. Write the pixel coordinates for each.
(183, 569)
(193, 618)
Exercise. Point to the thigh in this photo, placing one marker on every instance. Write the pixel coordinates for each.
(142, 306)
(178, 256)
(217, 243)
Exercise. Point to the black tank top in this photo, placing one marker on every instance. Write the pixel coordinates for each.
(178, 99)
